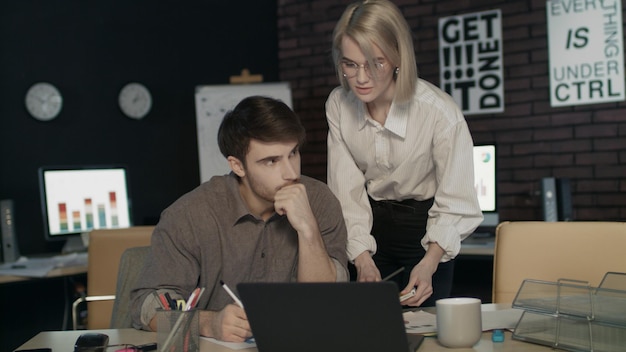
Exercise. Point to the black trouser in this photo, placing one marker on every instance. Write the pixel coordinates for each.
(398, 228)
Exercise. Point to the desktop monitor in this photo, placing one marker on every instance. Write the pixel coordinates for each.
(485, 183)
(78, 199)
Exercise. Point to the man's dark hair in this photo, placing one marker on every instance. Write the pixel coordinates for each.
(261, 118)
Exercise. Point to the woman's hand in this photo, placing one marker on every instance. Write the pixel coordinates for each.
(366, 269)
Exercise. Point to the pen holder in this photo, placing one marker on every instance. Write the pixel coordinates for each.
(178, 330)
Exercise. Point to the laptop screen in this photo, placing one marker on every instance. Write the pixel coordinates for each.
(349, 316)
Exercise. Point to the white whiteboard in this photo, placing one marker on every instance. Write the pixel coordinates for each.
(212, 103)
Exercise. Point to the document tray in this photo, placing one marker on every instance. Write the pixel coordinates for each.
(573, 316)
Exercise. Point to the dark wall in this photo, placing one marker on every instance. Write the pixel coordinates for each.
(89, 50)
(586, 144)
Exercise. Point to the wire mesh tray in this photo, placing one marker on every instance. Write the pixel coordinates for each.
(573, 316)
(570, 334)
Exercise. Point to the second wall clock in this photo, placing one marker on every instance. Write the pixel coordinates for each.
(135, 100)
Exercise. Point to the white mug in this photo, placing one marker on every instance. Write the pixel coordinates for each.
(459, 322)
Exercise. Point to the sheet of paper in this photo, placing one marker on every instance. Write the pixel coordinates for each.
(501, 319)
(420, 322)
(25, 267)
(39, 267)
(232, 345)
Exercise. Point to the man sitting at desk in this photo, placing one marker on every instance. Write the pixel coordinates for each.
(262, 222)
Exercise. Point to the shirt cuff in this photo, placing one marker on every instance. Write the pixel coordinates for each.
(150, 306)
(356, 246)
(342, 271)
(148, 311)
(447, 237)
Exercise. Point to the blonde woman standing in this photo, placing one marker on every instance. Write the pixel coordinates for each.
(399, 157)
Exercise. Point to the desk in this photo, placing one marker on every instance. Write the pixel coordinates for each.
(43, 266)
(58, 272)
(64, 341)
(478, 246)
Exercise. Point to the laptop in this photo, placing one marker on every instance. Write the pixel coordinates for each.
(329, 317)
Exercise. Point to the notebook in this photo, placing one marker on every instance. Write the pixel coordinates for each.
(342, 317)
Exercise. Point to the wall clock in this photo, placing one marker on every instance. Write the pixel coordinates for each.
(43, 101)
(135, 100)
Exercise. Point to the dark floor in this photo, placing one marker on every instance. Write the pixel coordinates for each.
(29, 307)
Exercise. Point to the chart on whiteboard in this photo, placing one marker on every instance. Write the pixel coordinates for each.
(212, 103)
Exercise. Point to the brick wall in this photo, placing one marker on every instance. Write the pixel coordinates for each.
(586, 144)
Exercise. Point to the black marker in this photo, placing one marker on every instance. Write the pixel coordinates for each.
(393, 274)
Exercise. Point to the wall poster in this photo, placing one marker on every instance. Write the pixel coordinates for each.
(470, 61)
(212, 103)
(586, 52)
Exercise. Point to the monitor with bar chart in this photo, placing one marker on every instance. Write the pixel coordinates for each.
(76, 200)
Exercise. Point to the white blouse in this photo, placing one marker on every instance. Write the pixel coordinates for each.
(424, 150)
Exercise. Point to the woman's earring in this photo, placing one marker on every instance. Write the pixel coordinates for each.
(397, 70)
(345, 75)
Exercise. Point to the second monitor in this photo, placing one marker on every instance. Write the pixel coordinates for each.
(485, 183)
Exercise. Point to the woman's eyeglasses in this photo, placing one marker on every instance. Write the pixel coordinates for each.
(351, 69)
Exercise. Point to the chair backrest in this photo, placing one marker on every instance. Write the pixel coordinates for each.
(104, 254)
(555, 250)
(130, 267)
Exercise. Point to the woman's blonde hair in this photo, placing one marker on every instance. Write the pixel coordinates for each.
(380, 23)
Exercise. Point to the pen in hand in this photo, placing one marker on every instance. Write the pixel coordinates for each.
(393, 274)
(239, 303)
(231, 294)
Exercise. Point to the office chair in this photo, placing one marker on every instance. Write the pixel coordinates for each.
(551, 251)
(104, 260)
(130, 267)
